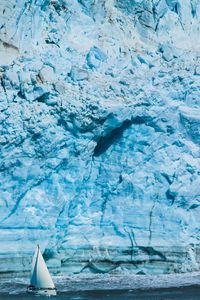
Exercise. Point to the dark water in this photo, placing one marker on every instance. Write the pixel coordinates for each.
(186, 293)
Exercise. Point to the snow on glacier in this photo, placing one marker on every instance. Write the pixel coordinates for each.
(100, 135)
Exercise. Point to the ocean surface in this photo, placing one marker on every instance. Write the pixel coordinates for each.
(112, 287)
(186, 293)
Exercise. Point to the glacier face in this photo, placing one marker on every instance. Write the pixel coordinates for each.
(100, 135)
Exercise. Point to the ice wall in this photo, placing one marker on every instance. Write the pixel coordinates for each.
(100, 135)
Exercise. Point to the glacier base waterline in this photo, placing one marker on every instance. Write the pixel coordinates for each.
(106, 282)
(116, 261)
(99, 135)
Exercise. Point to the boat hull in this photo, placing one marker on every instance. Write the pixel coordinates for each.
(41, 292)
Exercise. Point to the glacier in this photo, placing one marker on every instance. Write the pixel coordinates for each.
(100, 135)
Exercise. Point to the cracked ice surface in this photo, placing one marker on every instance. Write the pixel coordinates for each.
(100, 135)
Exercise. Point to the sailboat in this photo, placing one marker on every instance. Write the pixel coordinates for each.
(41, 282)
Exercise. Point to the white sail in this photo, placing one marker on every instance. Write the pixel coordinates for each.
(40, 277)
